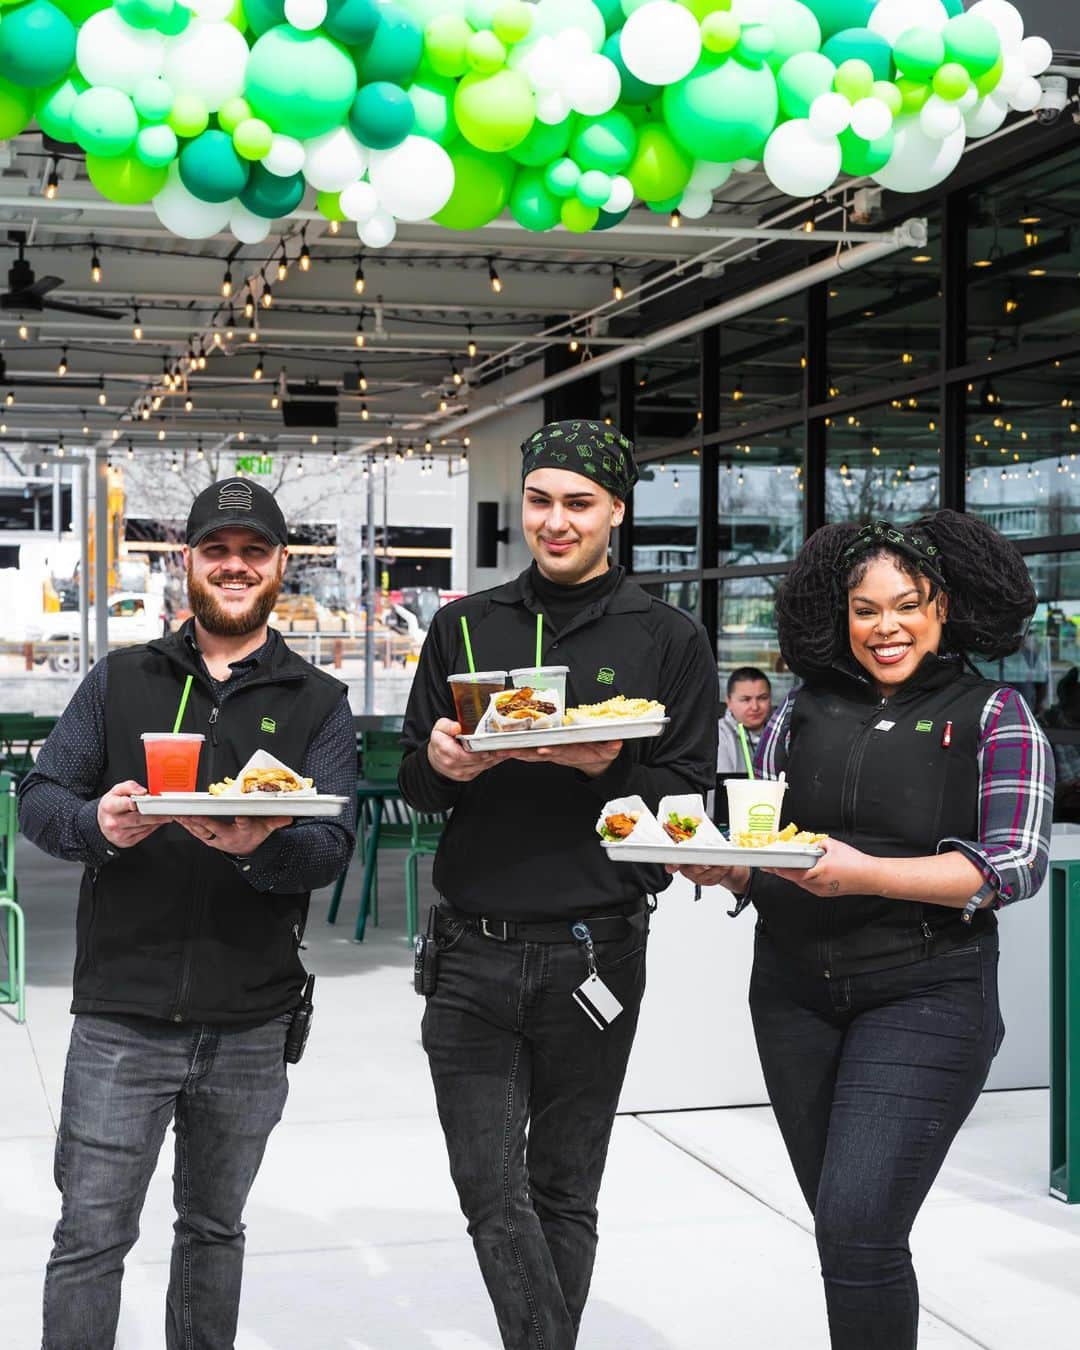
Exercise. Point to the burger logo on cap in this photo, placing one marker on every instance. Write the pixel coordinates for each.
(235, 495)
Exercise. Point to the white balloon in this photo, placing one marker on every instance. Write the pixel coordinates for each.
(871, 119)
(660, 42)
(1027, 95)
(918, 163)
(622, 195)
(247, 226)
(753, 11)
(1006, 18)
(539, 62)
(551, 17)
(334, 160)
(890, 18)
(110, 52)
(968, 99)
(1036, 54)
(208, 60)
(414, 179)
(359, 201)
(572, 44)
(987, 116)
(184, 214)
(592, 86)
(1012, 72)
(939, 118)
(695, 205)
(830, 114)
(800, 162)
(552, 107)
(378, 231)
(746, 165)
(305, 14)
(285, 156)
(708, 176)
(213, 11)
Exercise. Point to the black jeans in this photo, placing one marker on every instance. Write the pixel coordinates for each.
(870, 1078)
(527, 1089)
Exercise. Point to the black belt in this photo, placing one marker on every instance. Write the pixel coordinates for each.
(509, 930)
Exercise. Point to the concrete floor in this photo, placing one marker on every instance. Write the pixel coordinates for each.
(355, 1240)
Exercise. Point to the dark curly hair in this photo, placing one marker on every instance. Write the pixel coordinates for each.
(991, 598)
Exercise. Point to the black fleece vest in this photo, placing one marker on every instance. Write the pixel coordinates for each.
(892, 778)
(170, 929)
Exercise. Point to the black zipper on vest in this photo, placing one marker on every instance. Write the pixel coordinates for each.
(854, 764)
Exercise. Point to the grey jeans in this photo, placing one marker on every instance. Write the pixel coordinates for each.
(126, 1078)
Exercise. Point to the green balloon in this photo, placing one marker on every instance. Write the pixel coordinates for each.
(544, 143)
(577, 217)
(482, 185)
(887, 93)
(37, 45)
(485, 53)
(177, 20)
(913, 93)
(795, 29)
(16, 109)
(951, 81)
(232, 112)
(721, 30)
(561, 178)
(252, 139)
(78, 11)
(667, 204)
(531, 204)
(860, 44)
(143, 13)
(918, 53)
(612, 10)
(446, 45)
(123, 178)
(328, 204)
(351, 21)
(302, 84)
(188, 115)
(495, 112)
(633, 90)
(986, 84)
(801, 79)
(52, 107)
(211, 169)
(433, 107)
(269, 196)
(594, 187)
(382, 115)
(836, 15)
(394, 51)
(153, 99)
(661, 167)
(512, 21)
(722, 111)
(262, 15)
(607, 220)
(156, 145)
(756, 42)
(953, 7)
(973, 43)
(861, 157)
(605, 143)
(855, 80)
(104, 121)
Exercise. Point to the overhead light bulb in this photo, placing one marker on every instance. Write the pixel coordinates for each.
(189, 403)
(360, 338)
(283, 265)
(24, 332)
(305, 258)
(361, 380)
(358, 282)
(573, 344)
(249, 305)
(62, 365)
(675, 219)
(494, 278)
(227, 284)
(95, 268)
(335, 227)
(257, 373)
(161, 433)
(52, 183)
(267, 297)
(471, 348)
(136, 326)
(9, 398)
(617, 291)
(456, 374)
(275, 401)
(130, 449)
(364, 414)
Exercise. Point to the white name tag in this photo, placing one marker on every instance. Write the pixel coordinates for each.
(885, 726)
(597, 1002)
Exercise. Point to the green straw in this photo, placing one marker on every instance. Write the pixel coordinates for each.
(468, 645)
(183, 705)
(746, 751)
(539, 641)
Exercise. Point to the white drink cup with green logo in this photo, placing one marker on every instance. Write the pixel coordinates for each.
(754, 805)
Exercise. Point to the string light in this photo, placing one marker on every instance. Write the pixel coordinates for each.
(361, 380)
(161, 433)
(456, 374)
(360, 338)
(253, 335)
(675, 219)
(24, 332)
(471, 347)
(573, 344)
(227, 283)
(737, 394)
(257, 373)
(314, 438)
(305, 252)
(130, 449)
(249, 305)
(267, 297)
(189, 403)
(364, 414)
(300, 465)
(359, 283)
(85, 425)
(62, 364)
(230, 324)
(199, 453)
(95, 268)
(617, 291)
(275, 400)
(9, 397)
(52, 183)
(334, 455)
(335, 227)
(283, 265)
(494, 278)
(136, 326)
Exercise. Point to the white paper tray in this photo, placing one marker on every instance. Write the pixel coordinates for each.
(266, 804)
(580, 733)
(799, 856)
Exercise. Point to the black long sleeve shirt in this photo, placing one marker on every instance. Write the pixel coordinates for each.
(521, 840)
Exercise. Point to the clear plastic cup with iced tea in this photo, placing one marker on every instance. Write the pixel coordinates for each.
(172, 760)
(472, 693)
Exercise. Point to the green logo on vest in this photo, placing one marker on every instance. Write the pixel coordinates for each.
(924, 726)
(605, 675)
(268, 724)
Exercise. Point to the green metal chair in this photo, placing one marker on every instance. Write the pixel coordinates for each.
(1065, 1031)
(20, 735)
(13, 989)
(426, 833)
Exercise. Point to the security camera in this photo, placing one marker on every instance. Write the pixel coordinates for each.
(1055, 98)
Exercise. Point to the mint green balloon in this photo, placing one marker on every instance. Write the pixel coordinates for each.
(634, 91)
(860, 44)
(16, 109)
(37, 45)
(532, 205)
(756, 42)
(795, 29)
(52, 107)
(394, 51)
(211, 169)
(124, 178)
(723, 111)
(918, 53)
(859, 157)
(302, 84)
(495, 112)
(606, 143)
(252, 139)
(382, 115)
(593, 188)
(561, 178)
(104, 121)
(156, 145)
(951, 81)
(262, 15)
(612, 10)
(855, 80)
(836, 15)
(433, 106)
(482, 185)
(178, 19)
(153, 99)
(661, 167)
(351, 21)
(973, 43)
(481, 13)
(143, 13)
(544, 143)
(801, 79)
(446, 45)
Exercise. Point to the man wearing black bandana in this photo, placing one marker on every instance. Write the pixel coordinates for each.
(526, 1084)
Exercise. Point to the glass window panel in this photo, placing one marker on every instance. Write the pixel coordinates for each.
(884, 321)
(884, 462)
(667, 511)
(684, 593)
(667, 395)
(1024, 259)
(760, 499)
(1023, 430)
(762, 363)
(746, 631)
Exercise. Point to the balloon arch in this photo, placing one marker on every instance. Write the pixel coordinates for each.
(223, 113)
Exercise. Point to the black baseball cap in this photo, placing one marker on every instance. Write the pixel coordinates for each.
(236, 502)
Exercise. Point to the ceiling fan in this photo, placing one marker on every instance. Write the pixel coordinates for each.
(26, 295)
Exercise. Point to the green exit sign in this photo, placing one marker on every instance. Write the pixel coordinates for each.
(255, 464)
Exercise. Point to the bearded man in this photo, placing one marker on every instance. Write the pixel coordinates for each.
(187, 967)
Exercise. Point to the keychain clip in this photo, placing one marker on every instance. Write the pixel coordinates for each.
(583, 936)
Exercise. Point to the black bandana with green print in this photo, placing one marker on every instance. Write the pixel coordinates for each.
(591, 449)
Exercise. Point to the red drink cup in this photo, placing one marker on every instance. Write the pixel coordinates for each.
(472, 693)
(172, 760)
